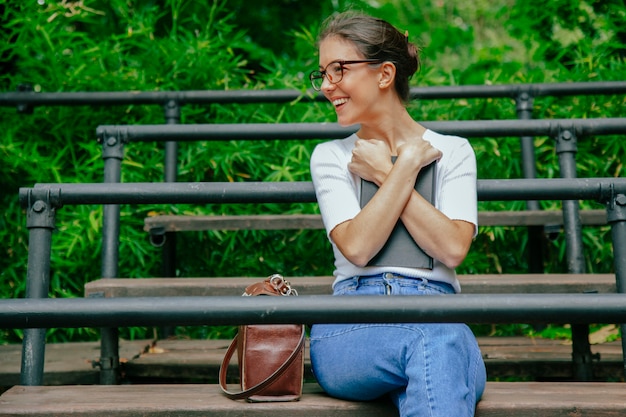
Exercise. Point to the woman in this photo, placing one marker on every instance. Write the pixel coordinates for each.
(428, 369)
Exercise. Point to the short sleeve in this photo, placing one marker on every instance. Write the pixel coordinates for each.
(335, 187)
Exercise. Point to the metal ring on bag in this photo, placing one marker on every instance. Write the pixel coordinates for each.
(284, 287)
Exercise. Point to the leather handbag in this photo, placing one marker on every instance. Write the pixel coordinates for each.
(271, 356)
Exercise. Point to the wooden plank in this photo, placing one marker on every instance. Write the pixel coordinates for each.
(65, 363)
(501, 399)
(521, 357)
(538, 218)
(180, 223)
(471, 284)
(172, 401)
(536, 359)
(174, 223)
(185, 361)
(547, 399)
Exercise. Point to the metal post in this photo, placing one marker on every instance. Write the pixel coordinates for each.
(172, 116)
(524, 107)
(566, 148)
(616, 217)
(112, 153)
(40, 223)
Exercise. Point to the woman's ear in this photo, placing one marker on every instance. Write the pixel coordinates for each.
(387, 74)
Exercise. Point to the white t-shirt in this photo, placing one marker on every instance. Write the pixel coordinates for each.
(337, 192)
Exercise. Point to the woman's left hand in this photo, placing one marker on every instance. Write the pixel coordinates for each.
(419, 151)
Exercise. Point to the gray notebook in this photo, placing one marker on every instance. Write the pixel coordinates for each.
(401, 249)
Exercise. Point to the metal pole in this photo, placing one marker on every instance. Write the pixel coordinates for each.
(303, 191)
(311, 309)
(112, 153)
(294, 131)
(616, 216)
(172, 117)
(111, 98)
(40, 223)
(566, 148)
(524, 107)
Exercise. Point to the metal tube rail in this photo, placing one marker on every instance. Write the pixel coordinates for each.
(282, 96)
(291, 131)
(599, 189)
(229, 310)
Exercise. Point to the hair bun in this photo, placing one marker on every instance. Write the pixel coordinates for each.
(414, 59)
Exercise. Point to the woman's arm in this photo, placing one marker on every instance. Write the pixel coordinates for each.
(440, 237)
(361, 238)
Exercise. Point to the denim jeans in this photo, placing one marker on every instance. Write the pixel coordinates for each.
(427, 369)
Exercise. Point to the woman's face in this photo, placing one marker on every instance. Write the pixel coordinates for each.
(355, 95)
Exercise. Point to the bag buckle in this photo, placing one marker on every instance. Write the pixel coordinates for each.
(282, 286)
(272, 285)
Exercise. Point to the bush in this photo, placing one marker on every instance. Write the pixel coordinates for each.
(186, 45)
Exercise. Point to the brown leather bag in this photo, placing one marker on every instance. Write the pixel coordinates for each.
(271, 356)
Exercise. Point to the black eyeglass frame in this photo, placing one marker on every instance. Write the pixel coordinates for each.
(320, 74)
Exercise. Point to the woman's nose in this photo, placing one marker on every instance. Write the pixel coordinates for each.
(327, 85)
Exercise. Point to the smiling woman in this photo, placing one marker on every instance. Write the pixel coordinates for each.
(427, 369)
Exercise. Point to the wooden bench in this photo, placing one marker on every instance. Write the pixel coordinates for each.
(317, 285)
(505, 357)
(179, 360)
(157, 225)
(163, 227)
(501, 399)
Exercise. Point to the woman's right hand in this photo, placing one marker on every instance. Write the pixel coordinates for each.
(371, 160)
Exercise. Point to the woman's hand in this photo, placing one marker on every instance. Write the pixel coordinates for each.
(371, 160)
(419, 151)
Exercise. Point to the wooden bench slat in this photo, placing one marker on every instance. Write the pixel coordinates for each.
(538, 218)
(169, 400)
(502, 399)
(199, 360)
(520, 357)
(65, 363)
(180, 223)
(471, 284)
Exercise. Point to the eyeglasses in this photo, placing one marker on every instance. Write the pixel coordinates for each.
(334, 72)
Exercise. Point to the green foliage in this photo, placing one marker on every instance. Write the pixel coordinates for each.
(224, 45)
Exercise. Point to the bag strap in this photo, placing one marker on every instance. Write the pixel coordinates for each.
(263, 384)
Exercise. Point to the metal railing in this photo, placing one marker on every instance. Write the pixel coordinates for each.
(42, 201)
(114, 137)
(26, 101)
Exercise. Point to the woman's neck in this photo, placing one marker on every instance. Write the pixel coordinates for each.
(394, 129)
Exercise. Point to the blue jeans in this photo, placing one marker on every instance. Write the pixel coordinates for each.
(427, 369)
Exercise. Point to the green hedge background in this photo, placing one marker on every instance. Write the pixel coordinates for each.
(150, 45)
